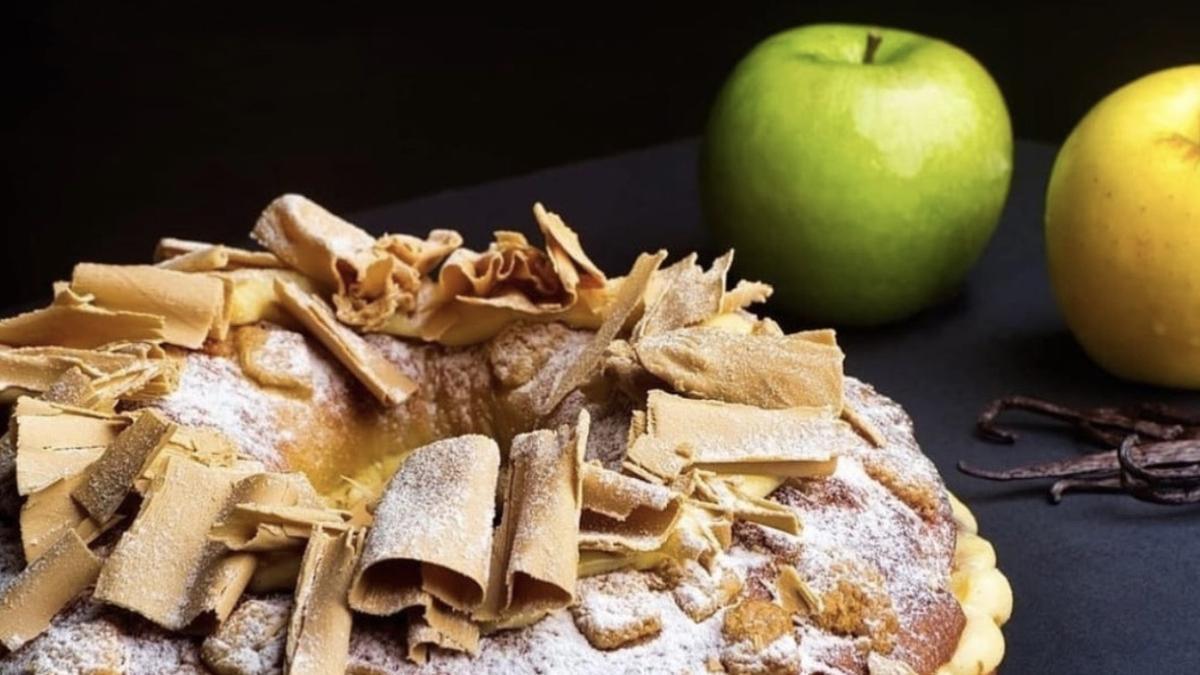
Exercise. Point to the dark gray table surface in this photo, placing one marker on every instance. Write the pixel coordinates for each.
(1103, 584)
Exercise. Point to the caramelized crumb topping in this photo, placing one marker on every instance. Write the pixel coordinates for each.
(758, 621)
(849, 609)
(920, 498)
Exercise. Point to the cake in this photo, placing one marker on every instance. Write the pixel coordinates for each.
(344, 453)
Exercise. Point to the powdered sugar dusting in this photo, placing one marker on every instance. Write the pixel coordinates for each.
(851, 523)
(431, 494)
(285, 353)
(213, 392)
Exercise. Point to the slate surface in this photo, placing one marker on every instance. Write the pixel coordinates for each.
(1103, 584)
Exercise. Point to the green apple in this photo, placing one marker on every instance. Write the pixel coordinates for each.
(860, 170)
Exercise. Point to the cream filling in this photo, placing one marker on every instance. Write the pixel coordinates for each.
(985, 596)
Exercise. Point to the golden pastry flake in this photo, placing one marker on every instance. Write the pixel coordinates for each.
(740, 439)
(52, 439)
(565, 251)
(30, 601)
(318, 639)
(722, 494)
(312, 240)
(72, 321)
(48, 513)
(372, 279)
(477, 294)
(549, 388)
(183, 255)
(439, 626)
(34, 369)
(202, 445)
(758, 370)
(445, 490)
(744, 294)
(794, 593)
(380, 376)
(191, 305)
(542, 502)
(193, 577)
(684, 294)
(624, 514)
(250, 295)
(864, 426)
(273, 527)
(111, 476)
(73, 387)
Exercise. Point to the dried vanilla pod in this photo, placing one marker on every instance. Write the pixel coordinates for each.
(1156, 459)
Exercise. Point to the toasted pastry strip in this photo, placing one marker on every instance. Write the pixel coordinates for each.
(70, 321)
(272, 527)
(72, 388)
(30, 601)
(197, 256)
(625, 514)
(379, 375)
(199, 444)
(318, 639)
(794, 593)
(688, 295)
(194, 577)
(250, 294)
(110, 478)
(445, 490)
(51, 440)
(207, 259)
(550, 388)
(758, 370)
(35, 369)
(312, 240)
(440, 626)
(744, 294)
(723, 495)
(49, 512)
(373, 279)
(542, 503)
(191, 304)
(565, 251)
(734, 438)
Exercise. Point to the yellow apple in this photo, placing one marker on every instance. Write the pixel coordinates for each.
(1123, 229)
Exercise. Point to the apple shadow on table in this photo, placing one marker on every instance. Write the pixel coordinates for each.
(938, 316)
(1051, 363)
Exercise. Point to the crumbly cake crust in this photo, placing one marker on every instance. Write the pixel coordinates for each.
(878, 552)
(464, 461)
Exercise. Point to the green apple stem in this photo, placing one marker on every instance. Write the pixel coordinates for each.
(873, 40)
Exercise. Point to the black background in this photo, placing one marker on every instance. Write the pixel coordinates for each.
(128, 123)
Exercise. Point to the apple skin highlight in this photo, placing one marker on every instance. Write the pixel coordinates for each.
(863, 191)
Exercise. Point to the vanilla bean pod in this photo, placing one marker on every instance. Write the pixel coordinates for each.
(1156, 456)
(1065, 485)
(1074, 467)
(1095, 423)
